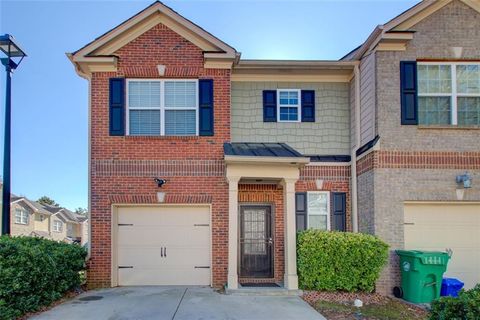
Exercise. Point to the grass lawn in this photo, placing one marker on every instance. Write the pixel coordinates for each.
(386, 309)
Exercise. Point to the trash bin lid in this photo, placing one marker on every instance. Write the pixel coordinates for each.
(452, 282)
(427, 257)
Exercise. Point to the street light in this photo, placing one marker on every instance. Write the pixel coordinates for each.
(12, 51)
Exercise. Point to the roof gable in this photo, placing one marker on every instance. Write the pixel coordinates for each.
(422, 10)
(397, 30)
(156, 13)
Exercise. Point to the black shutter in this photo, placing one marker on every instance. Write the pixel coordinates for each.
(408, 92)
(301, 210)
(308, 106)
(339, 211)
(269, 106)
(117, 106)
(205, 97)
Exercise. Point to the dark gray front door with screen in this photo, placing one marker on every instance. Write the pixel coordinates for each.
(256, 242)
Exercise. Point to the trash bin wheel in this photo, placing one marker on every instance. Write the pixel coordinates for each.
(398, 292)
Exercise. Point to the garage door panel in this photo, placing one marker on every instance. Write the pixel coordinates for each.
(436, 227)
(162, 236)
(164, 276)
(152, 257)
(148, 216)
(143, 234)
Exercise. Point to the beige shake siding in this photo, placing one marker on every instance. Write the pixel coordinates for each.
(329, 135)
(367, 99)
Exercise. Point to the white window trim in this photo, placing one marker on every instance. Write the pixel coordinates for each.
(329, 228)
(298, 106)
(57, 226)
(454, 95)
(23, 216)
(162, 105)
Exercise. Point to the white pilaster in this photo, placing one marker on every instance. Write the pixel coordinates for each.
(291, 278)
(233, 232)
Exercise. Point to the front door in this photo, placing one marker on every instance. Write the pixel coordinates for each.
(256, 243)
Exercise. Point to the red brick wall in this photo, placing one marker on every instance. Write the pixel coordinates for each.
(139, 59)
(418, 160)
(335, 179)
(268, 194)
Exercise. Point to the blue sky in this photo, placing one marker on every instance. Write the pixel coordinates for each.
(49, 124)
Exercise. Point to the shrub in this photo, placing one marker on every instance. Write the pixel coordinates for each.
(339, 260)
(34, 272)
(464, 307)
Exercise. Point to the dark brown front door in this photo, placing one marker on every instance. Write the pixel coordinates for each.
(256, 242)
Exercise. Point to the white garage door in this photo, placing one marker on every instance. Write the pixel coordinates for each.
(167, 245)
(442, 226)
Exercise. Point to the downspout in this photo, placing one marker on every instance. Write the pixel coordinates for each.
(353, 150)
(89, 213)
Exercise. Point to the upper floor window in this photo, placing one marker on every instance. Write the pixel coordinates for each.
(288, 105)
(449, 93)
(162, 107)
(318, 208)
(21, 216)
(57, 226)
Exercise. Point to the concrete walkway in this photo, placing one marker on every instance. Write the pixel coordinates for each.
(179, 303)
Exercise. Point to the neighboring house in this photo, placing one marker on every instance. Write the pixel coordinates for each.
(30, 218)
(66, 225)
(203, 165)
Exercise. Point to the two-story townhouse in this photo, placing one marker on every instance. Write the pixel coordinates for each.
(202, 166)
(419, 109)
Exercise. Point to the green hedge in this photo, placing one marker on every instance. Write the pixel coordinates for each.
(34, 272)
(465, 307)
(339, 260)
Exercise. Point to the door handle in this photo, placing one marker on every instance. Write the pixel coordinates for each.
(270, 241)
(161, 252)
(165, 252)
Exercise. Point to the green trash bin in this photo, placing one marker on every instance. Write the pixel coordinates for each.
(422, 274)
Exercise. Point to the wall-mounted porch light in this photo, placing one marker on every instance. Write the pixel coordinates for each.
(464, 179)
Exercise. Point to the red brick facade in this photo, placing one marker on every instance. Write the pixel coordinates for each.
(335, 179)
(418, 160)
(139, 59)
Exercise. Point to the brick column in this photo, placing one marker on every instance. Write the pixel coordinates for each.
(233, 232)
(291, 278)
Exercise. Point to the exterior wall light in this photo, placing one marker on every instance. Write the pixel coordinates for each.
(160, 182)
(466, 179)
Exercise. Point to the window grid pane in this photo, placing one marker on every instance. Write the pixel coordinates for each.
(468, 110)
(144, 122)
(434, 79)
(434, 110)
(144, 94)
(468, 79)
(180, 94)
(180, 122)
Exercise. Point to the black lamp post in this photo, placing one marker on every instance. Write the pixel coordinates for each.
(12, 51)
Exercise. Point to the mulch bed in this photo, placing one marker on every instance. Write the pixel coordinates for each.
(342, 297)
(339, 306)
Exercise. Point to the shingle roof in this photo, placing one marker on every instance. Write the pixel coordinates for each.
(260, 150)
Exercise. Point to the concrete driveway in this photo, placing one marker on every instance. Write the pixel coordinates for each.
(178, 303)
